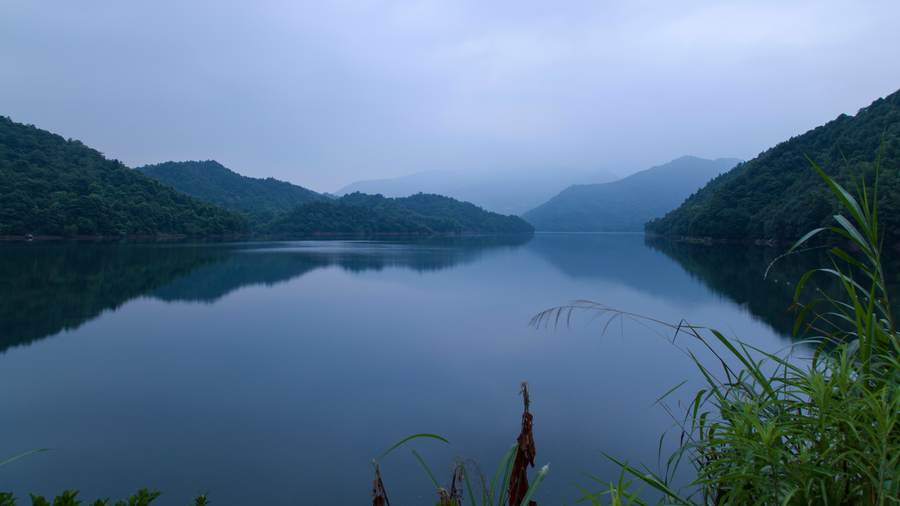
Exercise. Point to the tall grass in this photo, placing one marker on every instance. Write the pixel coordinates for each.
(774, 431)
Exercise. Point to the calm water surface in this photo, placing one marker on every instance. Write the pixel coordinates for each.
(274, 372)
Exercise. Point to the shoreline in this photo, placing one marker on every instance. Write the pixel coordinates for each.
(250, 235)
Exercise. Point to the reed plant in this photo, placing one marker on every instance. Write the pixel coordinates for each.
(779, 431)
(508, 485)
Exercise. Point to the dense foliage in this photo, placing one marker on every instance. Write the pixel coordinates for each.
(53, 186)
(625, 205)
(318, 218)
(143, 497)
(778, 195)
(359, 213)
(259, 200)
(471, 218)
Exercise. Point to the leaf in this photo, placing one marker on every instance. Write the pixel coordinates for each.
(24, 454)
(432, 436)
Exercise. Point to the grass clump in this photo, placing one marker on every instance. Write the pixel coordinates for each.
(822, 431)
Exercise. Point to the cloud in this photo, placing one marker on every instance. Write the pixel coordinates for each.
(323, 93)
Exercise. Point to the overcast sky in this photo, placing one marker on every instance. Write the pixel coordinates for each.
(323, 93)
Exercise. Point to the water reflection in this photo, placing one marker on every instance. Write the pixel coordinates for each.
(269, 263)
(761, 278)
(622, 258)
(46, 288)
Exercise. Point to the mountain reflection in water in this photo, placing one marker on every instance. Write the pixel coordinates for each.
(761, 278)
(46, 288)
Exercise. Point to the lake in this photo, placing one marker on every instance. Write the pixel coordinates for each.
(273, 372)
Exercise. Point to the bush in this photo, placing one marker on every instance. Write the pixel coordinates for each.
(67, 498)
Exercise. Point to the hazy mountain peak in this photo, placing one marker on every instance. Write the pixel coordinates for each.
(626, 204)
(512, 191)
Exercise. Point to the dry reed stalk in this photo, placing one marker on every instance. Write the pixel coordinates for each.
(518, 480)
(379, 496)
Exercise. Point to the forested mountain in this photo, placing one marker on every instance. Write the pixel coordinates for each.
(625, 205)
(504, 192)
(468, 217)
(778, 194)
(359, 213)
(53, 186)
(259, 200)
(337, 219)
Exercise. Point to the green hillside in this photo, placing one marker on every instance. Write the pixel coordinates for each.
(467, 217)
(625, 205)
(259, 200)
(778, 195)
(334, 218)
(53, 186)
(359, 213)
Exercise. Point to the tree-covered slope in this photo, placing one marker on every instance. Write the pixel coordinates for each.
(259, 200)
(625, 205)
(53, 186)
(356, 219)
(778, 195)
(359, 213)
(471, 218)
(468, 217)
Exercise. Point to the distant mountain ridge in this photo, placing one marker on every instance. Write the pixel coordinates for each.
(778, 195)
(277, 207)
(625, 205)
(504, 192)
(259, 200)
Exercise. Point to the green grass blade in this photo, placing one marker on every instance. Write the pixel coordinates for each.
(846, 198)
(854, 233)
(654, 482)
(425, 467)
(538, 478)
(24, 454)
(805, 238)
(432, 436)
(505, 463)
(465, 474)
